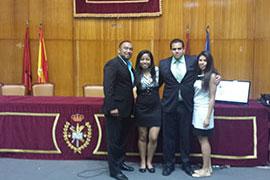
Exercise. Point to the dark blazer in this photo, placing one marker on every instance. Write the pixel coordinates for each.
(118, 88)
(172, 86)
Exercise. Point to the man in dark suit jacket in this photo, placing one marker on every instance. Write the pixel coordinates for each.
(178, 74)
(118, 106)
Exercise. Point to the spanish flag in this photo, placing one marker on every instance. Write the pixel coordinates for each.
(42, 70)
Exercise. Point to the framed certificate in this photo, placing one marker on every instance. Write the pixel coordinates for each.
(233, 91)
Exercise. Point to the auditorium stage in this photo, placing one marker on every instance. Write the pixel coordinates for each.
(73, 128)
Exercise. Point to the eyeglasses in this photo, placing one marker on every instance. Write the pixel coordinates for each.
(174, 49)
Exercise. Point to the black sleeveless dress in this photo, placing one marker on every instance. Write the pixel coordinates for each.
(148, 106)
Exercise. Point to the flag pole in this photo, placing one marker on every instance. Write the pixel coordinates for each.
(207, 28)
(187, 49)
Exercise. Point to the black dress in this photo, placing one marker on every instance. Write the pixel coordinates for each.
(148, 106)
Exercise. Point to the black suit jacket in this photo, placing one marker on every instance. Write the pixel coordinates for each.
(118, 88)
(172, 86)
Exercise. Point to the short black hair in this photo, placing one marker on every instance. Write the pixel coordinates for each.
(122, 42)
(177, 41)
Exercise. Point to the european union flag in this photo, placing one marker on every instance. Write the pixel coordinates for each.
(207, 41)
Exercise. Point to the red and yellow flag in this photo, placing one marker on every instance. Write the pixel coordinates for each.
(42, 70)
(27, 73)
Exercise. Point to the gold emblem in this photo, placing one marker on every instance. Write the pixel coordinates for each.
(77, 136)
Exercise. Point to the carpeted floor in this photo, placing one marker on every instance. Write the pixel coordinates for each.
(20, 169)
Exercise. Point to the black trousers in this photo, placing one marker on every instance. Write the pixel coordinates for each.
(176, 124)
(117, 129)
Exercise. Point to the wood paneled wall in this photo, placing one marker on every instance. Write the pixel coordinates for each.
(77, 48)
(262, 48)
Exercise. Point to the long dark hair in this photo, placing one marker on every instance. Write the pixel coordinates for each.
(209, 69)
(138, 68)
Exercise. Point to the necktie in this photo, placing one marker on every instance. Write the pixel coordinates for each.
(129, 65)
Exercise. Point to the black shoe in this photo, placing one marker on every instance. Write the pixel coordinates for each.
(167, 171)
(187, 169)
(120, 176)
(151, 170)
(142, 170)
(125, 167)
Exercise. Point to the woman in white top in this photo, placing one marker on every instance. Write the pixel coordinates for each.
(203, 114)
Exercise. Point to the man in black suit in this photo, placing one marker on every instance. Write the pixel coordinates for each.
(178, 74)
(118, 106)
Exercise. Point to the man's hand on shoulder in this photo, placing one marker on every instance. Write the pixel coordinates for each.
(114, 112)
(218, 79)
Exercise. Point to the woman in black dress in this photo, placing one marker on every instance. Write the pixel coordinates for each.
(147, 108)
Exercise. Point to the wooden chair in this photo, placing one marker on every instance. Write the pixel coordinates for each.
(93, 91)
(43, 89)
(13, 90)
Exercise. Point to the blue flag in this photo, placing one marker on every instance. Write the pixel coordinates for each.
(207, 41)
